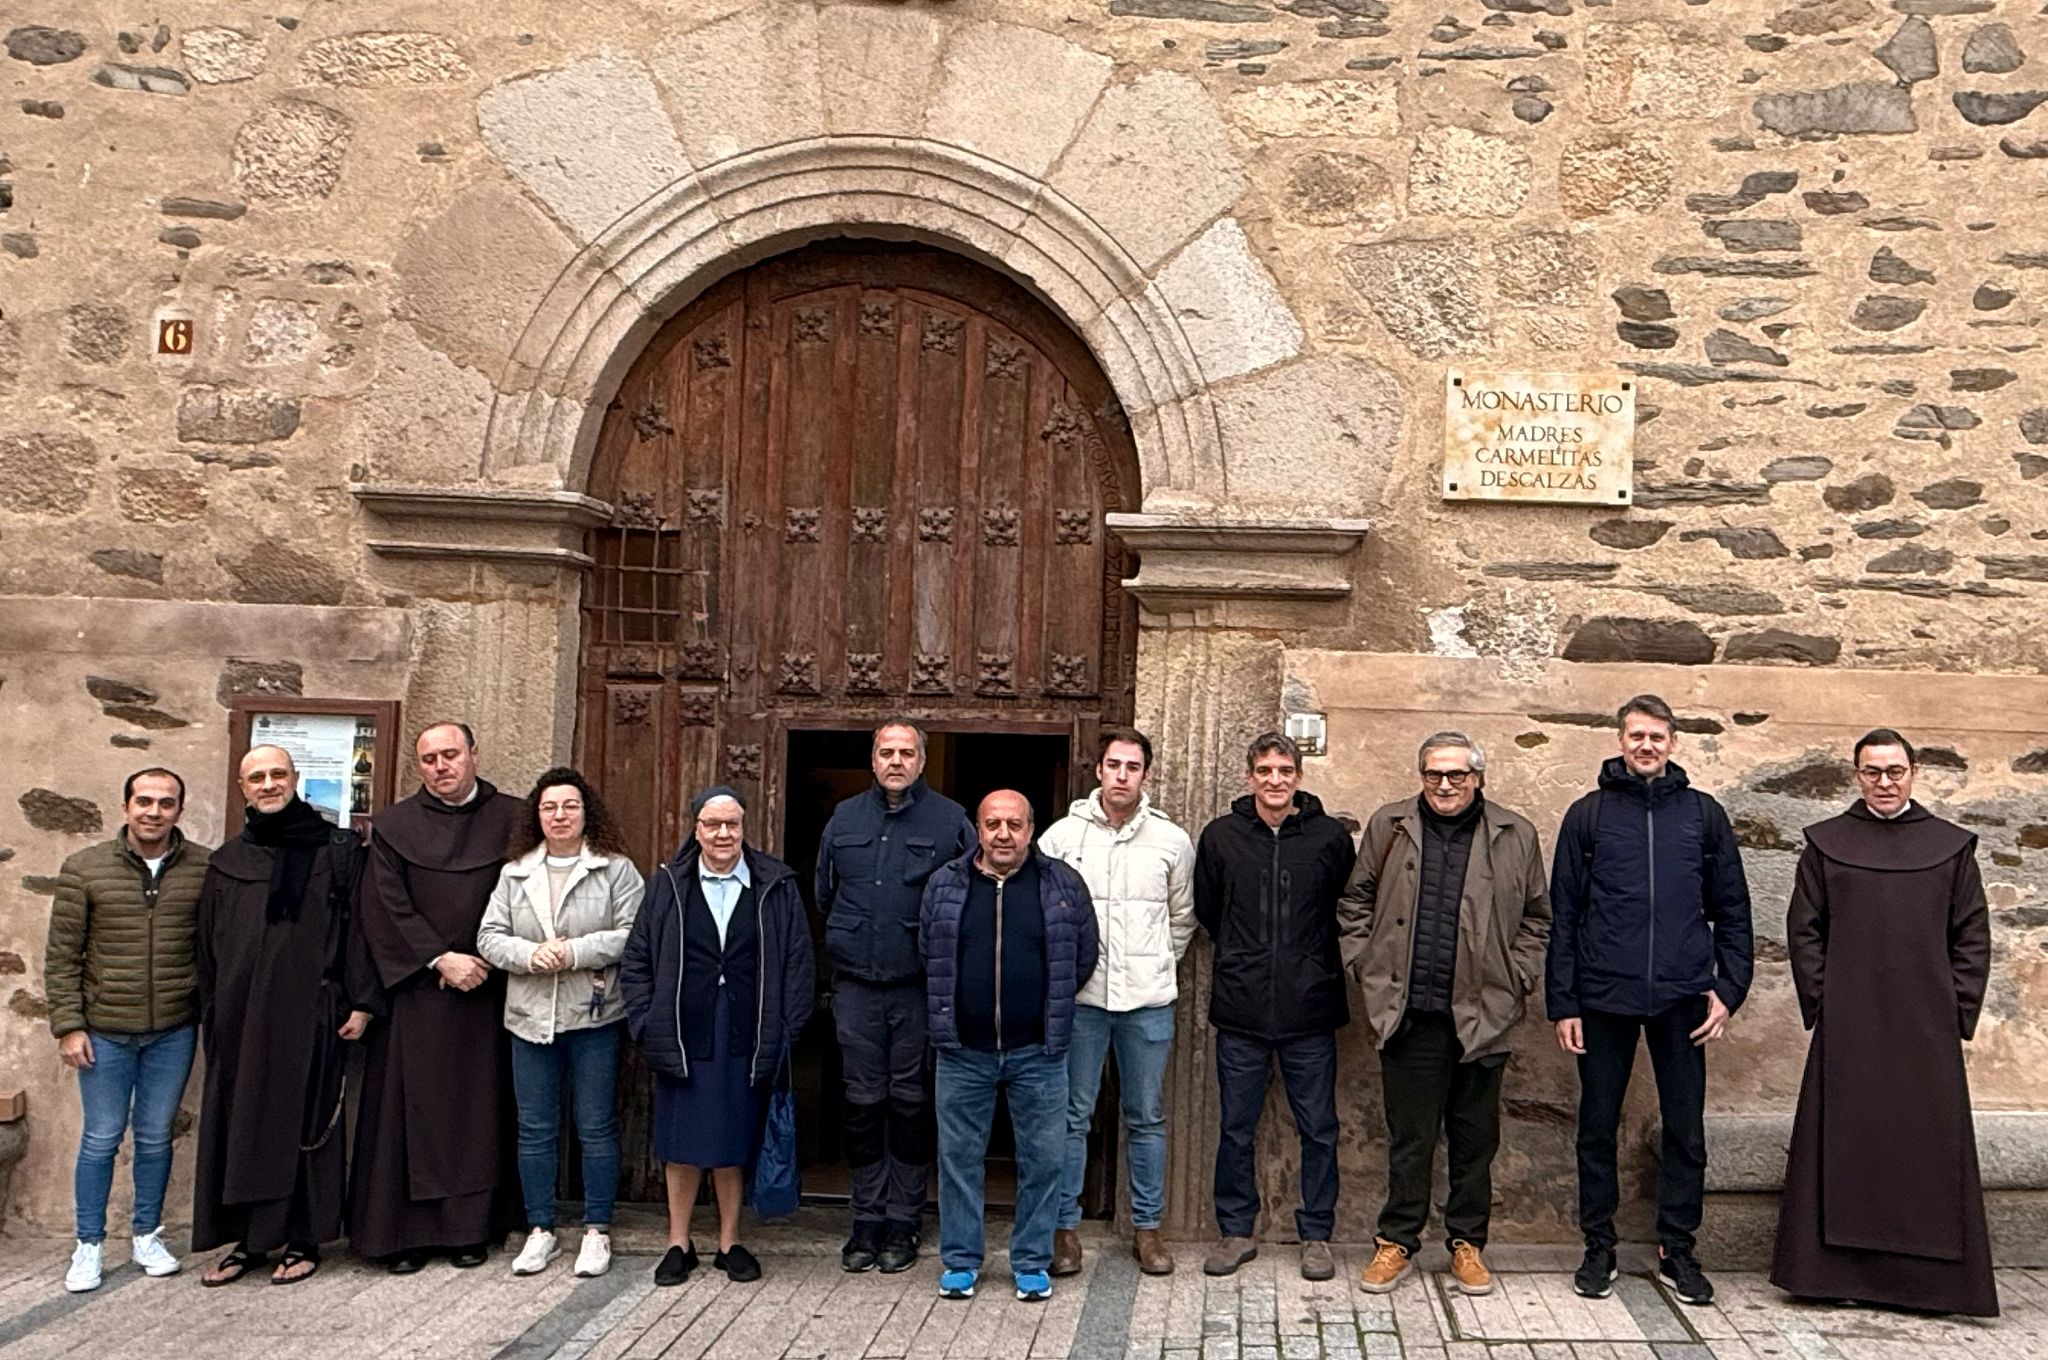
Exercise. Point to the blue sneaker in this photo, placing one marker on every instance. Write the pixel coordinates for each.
(1034, 1286)
(958, 1284)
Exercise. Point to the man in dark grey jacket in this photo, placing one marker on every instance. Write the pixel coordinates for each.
(877, 852)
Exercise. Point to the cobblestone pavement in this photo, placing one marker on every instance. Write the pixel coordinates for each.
(806, 1307)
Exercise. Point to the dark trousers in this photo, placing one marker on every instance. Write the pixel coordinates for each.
(889, 1132)
(1429, 1092)
(1681, 1068)
(1308, 1070)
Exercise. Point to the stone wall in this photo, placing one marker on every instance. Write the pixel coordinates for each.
(421, 257)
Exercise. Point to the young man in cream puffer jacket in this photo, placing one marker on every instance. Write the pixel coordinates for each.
(1139, 868)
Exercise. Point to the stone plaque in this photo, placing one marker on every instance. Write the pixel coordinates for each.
(1539, 437)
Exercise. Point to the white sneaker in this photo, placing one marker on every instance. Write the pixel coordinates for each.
(153, 1256)
(596, 1256)
(540, 1249)
(85, 1268)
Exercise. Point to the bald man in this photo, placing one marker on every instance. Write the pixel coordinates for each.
(434, 1143)
(1008, 937)
(284, 989)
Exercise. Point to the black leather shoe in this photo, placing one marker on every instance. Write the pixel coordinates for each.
(676, 1265)
(859, 1252)
(899, 1248)
(406, 1263)
(470, 1257)
(738, 1264)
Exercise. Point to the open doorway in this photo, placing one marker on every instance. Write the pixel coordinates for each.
(827, 766)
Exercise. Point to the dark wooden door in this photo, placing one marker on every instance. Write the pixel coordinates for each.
(855, 480)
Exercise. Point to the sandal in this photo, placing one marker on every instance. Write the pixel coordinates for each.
(297, 1256)
(237, 1261)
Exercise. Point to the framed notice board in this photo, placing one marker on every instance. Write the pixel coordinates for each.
(346, 751)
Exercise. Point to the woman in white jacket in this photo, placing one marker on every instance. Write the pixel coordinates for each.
(557, 925)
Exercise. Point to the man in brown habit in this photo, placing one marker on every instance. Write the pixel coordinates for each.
(284, 987)
(434, 1142)
(1891, 946)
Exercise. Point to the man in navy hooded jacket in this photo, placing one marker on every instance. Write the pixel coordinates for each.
(1650, 937)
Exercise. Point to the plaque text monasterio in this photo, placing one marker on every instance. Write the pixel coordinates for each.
(1538, 436)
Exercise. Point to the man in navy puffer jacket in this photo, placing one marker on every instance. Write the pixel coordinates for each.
(1008, 936)
(1650, 937)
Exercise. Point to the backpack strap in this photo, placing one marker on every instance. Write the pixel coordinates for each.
(1599, 806)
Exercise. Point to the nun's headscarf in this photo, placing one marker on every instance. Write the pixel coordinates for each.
(712, 794)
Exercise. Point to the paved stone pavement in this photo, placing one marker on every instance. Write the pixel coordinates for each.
(806, 1307)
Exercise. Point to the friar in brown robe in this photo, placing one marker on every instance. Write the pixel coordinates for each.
(1890, 944)
(283, 986)
(435, 1145)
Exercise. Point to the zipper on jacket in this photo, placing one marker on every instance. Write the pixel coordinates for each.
(760, 980)
(152, 885)
(999, 965)
(675, 890)
(1273, 929)
(1650, 859)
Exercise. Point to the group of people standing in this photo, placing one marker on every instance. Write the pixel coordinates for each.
(488, 952)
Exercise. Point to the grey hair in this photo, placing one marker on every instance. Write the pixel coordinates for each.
(1446, 741)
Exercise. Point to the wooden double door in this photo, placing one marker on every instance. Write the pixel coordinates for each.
(856, 480)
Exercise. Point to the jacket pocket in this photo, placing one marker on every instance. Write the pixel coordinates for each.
(853, 856)
(920, 857)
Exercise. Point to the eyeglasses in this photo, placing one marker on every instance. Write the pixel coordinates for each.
(1890, 774)
(550, 809)
(1448, 778)
(714, 828)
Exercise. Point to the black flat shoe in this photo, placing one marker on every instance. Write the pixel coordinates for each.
(676, 1265)
(406, 1263)
(470, 1257)
(738, 1264)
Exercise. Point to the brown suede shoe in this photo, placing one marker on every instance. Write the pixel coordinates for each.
(1153, 1257)
(1227, 1255)
(1066, 1252)
(1389, 1264)
(1316, 1261)
(1469, 1271)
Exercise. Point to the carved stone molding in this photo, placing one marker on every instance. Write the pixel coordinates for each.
(698, 661)
(800, 523)
(811, 326)
(1184, 561)
(870, 524)
(999, 526)
(863, 672)
(799, 674)
(1073, 527)
(935, 524)
(928, 673)
(743, 761)
(478, 523)
(695, 708)
(942, 333)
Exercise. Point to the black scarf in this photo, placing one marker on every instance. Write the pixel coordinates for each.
(1457, 821)
(296, 832)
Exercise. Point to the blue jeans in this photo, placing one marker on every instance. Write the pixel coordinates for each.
(1144, 1042)
(592, 1059)
(1308, 1069)
(138, 1080)
(1037, 1086)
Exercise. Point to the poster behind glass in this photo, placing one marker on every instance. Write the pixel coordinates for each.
(336, 756)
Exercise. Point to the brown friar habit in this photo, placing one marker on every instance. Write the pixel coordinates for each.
(1891, 947)
(434, 1142)
(280, 968)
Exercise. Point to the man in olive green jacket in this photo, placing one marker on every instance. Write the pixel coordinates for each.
(120, 972)
(1443, 926)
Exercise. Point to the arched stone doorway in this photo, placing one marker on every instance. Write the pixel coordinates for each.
(857, 479)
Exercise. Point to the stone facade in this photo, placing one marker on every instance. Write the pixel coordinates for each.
(416, 264)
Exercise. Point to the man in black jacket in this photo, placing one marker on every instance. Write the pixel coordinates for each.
(877, 852)
(1650, 937)
(1267, 877)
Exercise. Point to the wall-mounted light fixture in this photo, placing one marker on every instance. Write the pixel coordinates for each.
(1309, 731)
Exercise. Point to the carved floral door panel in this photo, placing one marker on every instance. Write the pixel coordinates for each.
(848, 481)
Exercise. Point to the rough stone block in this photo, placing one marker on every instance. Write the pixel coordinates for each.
(291, 149)
(97, 333)
(1867, 492)
(1605, 172)
(1319, 434)
(1152, 165)
(1227, 304)
(1775, 644)
(1880, 313)
(1747, 234)
(1461, 173)
(876, 68)
(1667, 641)
(47, 810)
(46, 474)
(1332, 188)
(128, 562)
(745, 81)
(1856, 108)
(1992, 50)
(39, 45)
(270, 574)
(1910, 52)
(591, 139)
(469, 280)
(235, 415)
(1995, 110)
(1319, 108)
(160, 495)
(241, 677)
(1014, 94)
(381, 60)
(217, 56)
(141, 79)
(1425, 292)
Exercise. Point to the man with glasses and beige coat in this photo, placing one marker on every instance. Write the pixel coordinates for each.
(1443, 926)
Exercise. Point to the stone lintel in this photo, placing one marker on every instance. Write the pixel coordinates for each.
(1186, 560)
(481, 523)
(1746, 1152)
